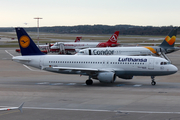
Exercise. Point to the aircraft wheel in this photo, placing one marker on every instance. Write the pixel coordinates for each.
(153, 83)
(89, 82)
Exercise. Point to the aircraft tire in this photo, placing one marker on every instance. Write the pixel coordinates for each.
(153, 83)
(89, 82)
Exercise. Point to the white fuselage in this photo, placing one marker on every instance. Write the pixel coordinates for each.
(74, 45)
(120, 65)
(134, 51)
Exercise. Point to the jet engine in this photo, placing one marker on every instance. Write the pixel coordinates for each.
(106, 77)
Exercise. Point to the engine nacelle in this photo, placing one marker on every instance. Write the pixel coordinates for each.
(106, 77)
(126, 76)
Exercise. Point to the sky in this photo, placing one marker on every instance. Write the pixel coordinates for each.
(15, 13)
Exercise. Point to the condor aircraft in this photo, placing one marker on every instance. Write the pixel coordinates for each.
(103, 68)
(76, 46)
(167, 46)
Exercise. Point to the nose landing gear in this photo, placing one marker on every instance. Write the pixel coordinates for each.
(153, 81)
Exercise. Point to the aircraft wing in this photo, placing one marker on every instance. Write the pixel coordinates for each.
(76, 69)
(84, 69)
(13, 108)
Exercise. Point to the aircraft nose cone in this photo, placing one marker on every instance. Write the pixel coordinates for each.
(174, 69)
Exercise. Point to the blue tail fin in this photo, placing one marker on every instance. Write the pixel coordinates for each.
(26, 44)
(170, 39)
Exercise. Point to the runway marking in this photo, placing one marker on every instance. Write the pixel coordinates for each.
(32, 69)
(71, 84)
(7, 112)
(43, 83)
(57, 84)
(137, 85)
(9, 53)
(119, 85)
(96, 110)
(68, 109)
(23, 64)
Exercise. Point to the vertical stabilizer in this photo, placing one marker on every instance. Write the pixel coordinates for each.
(170, 39)
(26, 44)
(78, 39)
(113, 38)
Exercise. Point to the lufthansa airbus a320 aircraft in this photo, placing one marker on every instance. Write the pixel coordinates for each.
(103, 68)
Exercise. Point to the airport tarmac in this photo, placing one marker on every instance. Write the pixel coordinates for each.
(52, 96)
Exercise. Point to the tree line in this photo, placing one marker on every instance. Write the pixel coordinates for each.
(101, 29)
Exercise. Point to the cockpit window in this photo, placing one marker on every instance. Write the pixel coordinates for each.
(165, 63)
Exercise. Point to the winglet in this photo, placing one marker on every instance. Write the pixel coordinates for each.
(20, 107)
(113, 38)
(26, 44)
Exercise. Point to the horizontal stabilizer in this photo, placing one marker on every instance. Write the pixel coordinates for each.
(21, 59)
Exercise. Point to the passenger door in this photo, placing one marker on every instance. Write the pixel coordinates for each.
(151, 64)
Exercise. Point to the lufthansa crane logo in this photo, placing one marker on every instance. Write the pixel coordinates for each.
(24, 41)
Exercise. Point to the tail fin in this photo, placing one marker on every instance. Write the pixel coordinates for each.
(78, 39)
(26, 44)
(113, 38)
(170, 39)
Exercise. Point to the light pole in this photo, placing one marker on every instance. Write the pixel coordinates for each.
(38, 28)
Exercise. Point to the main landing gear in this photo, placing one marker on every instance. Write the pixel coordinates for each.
(89, 81)
(153, 81)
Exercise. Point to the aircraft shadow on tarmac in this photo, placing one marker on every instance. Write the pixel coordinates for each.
(125, 84)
